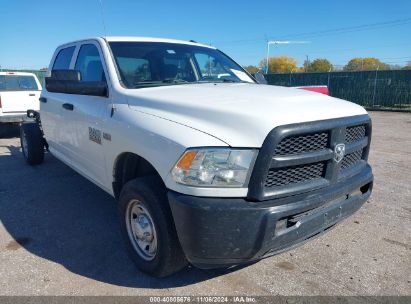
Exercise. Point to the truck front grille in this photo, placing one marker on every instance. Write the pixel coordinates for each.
(351, 159)
(355, 133)
(293, 175)
(302, 144)
(300, 158)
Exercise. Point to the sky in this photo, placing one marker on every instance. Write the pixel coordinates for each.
(336, 30)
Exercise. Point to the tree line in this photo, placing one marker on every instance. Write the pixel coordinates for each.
(286, 64)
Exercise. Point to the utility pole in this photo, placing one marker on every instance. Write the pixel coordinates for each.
(268, 54)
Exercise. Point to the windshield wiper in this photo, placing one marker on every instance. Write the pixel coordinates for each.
(171, 80)
(160, 82)
(224, 80)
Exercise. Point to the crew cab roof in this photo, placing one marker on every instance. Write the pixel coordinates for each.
(142, 39)
(16, 73)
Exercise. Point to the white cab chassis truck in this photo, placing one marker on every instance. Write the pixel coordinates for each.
(19, 92)
(208, 166)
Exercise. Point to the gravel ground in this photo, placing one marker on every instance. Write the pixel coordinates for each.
(59, 236)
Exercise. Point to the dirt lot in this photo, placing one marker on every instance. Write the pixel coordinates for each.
(59, 236)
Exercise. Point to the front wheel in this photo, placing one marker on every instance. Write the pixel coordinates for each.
(31, 139)
(148, 227)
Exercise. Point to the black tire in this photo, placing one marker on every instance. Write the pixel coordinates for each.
(33, 150)
(150, 193)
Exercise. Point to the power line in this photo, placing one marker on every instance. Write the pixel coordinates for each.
(335, 31)
(396, 58)
(361, 49)
(364, 27)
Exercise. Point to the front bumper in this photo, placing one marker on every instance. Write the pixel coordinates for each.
(220, 232)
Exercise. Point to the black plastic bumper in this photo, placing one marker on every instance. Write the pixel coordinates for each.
(219, 232)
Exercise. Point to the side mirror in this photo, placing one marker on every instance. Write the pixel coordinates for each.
(69, 82)
(260, 78)
(73, 75)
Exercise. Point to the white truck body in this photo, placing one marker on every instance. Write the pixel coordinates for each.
(183, 116)
(19, 92)
(208, 165)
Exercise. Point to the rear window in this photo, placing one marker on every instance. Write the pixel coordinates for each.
(63, 59)
(17, 83)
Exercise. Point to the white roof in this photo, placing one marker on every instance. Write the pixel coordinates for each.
(17, 73)
(143, 39)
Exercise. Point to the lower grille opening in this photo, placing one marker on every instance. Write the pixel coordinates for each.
(293, 175)
(365, 188)
(283, 224)
(361, 190)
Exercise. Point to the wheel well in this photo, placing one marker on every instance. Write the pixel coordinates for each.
(129, 166)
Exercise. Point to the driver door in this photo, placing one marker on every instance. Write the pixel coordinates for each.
(90, 115)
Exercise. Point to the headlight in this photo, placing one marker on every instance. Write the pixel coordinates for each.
(214, 167)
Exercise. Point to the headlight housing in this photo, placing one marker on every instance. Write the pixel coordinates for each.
(214, 167)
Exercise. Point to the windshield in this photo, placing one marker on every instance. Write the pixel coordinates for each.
(143, 64)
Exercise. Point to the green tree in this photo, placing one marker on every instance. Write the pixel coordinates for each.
(252, 69)
(365, 64)
(395, 67)
(320, 65)
(408, 66)
(281, 64)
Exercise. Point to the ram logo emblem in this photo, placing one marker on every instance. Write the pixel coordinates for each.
(339, 152)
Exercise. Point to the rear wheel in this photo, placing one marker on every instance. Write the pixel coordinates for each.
(148, 227)
(32, 146)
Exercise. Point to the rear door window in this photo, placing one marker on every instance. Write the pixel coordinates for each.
(89, 63)
(63, 59)
(17, 83)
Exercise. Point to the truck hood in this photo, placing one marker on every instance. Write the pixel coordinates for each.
(239, 114)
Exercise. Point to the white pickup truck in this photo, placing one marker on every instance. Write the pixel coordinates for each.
(19, 92)
(208, 166)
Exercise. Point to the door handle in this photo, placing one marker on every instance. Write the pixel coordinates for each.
(68, 106)
(32, 94)
(43, 99)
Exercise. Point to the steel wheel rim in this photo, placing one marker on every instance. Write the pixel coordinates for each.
(141, 230)
(24, 144)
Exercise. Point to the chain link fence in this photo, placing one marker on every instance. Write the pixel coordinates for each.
(371, 89)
